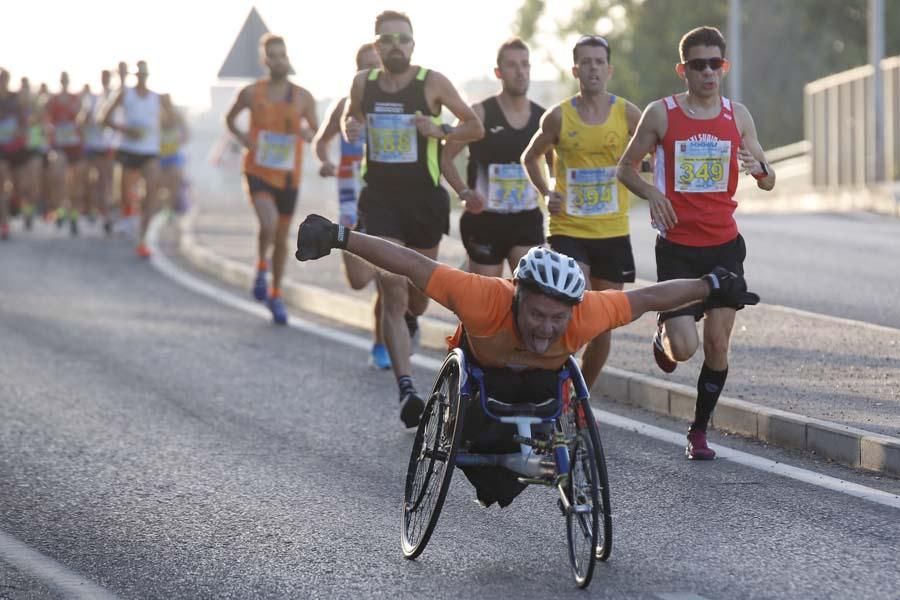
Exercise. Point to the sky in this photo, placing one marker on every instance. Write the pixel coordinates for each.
(185, 42)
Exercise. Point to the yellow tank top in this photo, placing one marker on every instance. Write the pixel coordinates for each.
(595, 204)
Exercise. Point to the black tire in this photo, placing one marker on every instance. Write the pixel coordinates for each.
(582, 491)
(604, 547)
(432, 460)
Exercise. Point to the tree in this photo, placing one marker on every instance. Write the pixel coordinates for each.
(786, 44)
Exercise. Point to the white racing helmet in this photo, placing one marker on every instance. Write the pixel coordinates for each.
(552, 273)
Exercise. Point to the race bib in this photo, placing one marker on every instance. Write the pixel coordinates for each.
(591, 192)
(509, 189)
(8, 127)
(702, 166)
(392, 138)
(66, 134)
(276, 150)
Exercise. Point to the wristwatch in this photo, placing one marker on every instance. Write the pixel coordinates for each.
(765, 171)
(446, 129)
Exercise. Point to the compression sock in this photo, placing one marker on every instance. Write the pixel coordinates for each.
(709, 387)
(406, 385)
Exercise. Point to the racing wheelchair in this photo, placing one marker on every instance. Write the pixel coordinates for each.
(569, 458)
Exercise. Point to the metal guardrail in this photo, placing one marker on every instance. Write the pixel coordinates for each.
(840, 126)
(795, 150)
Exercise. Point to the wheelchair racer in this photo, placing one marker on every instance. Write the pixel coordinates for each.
(520, 332)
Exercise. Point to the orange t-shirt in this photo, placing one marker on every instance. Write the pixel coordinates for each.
(484, 308)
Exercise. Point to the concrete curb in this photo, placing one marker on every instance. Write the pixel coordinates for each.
(846, 445)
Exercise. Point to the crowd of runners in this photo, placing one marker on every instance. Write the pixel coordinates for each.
(113, 156)
(397, 154)
(58, 152)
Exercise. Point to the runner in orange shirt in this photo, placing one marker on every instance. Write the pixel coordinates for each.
(282, 117)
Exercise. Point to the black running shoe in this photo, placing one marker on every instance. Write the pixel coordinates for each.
(411, 407)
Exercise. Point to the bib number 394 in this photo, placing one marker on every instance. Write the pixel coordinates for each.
(702, 166)
(592, 192)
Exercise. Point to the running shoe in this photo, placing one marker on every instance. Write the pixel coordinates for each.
(411, 407)
(662, 359)
(279, 312)
(697, 449)
(73, 227)
(108, 228)
(380, 359)
(260, 287)
(143, 251)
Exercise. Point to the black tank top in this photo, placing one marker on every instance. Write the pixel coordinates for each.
(396, 154)
(501, 143)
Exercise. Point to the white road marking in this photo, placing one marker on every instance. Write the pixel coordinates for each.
(169, 269)
(48, 570)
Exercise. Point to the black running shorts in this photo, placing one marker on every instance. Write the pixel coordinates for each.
(609, 258)
(416, 216)
(489, 236)
(675, 261)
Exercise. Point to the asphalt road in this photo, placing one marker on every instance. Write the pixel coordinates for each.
(161, 445)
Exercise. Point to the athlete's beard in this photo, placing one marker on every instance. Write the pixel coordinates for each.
(515, 91)
(396, 63)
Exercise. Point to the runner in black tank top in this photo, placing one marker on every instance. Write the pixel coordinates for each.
(403, 199)
(502, 219)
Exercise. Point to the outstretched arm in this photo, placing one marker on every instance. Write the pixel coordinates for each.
(667, 295)
(317, 236)
(722, 284)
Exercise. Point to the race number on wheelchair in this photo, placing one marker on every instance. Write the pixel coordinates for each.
(592, 192)
(509, 189)
(392, 138)
(276, 150)
(702, 165)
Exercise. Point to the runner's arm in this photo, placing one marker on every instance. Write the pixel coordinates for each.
(451, 150)
(240, 103)
(331, 127)
(667, 295)
(468, 128)
(633, 116)
(308, 114)
(751, 155)
(650, 131)
(393, 257)
(106, 116)
(353, 117)
(540, 146)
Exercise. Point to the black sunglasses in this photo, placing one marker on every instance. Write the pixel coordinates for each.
(393, 38)
(700, 64)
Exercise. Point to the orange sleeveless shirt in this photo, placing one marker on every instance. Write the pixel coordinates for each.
(275, 133)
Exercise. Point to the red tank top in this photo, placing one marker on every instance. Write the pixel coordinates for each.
(697, 170)
(62, 111)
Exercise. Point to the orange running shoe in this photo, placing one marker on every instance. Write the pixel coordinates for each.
(143, 251)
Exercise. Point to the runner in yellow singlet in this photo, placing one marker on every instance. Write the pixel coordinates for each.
(588, 206)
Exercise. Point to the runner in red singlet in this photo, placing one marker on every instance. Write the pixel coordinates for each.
(702, 141)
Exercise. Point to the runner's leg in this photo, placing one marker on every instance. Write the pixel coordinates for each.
(597, 351)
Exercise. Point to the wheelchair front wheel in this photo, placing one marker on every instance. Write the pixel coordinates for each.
(432, 459)
(584, 514)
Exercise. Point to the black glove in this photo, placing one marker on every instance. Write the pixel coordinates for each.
(729, 288)
(317, 236)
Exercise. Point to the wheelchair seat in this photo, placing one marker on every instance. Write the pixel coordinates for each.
(541, 410)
